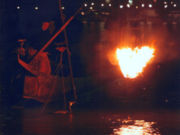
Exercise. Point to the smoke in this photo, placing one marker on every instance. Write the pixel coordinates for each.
(157, 34)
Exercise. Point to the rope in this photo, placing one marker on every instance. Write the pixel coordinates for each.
(69, 54)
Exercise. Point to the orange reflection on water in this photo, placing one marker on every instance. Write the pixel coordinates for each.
(136, 127)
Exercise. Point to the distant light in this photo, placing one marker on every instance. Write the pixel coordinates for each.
(85, 5)
(128, 5)
(107, 1)
(165, 2)
(121, 6)
(82, 13)
(62, 8)
(166, 100)
(92, 3)
(150, 5)
(130, 2)
(174, 5)
(154, 1)
(164, 23)
(165, 6)
(142, 5)
(91, 8)
(102, 5)
(174, 22)
(36, 7)
(96, 13)
(18, 7)
(110, 4)
(172, 2)
(137, 7)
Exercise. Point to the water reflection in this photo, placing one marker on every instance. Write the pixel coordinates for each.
(136, 127)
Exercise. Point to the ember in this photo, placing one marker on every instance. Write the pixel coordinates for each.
(133, 61)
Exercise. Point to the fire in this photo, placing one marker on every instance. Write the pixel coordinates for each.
(133, 61)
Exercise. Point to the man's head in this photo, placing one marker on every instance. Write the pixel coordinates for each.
(48, 26)
(45, 26)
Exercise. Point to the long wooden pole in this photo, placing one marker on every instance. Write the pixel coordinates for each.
(46, 45)
(56, 34)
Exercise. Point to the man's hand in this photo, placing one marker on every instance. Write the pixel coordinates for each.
(21, 51)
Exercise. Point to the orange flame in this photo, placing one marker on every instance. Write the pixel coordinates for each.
(133, 61)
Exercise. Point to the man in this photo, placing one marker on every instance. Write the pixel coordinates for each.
(39, 84)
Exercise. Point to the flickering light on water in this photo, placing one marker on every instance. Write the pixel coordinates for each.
(136, 127)
(133, 61)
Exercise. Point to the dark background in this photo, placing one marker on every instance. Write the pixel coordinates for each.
(96, 78)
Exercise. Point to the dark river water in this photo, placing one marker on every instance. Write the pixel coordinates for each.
(91, 122)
